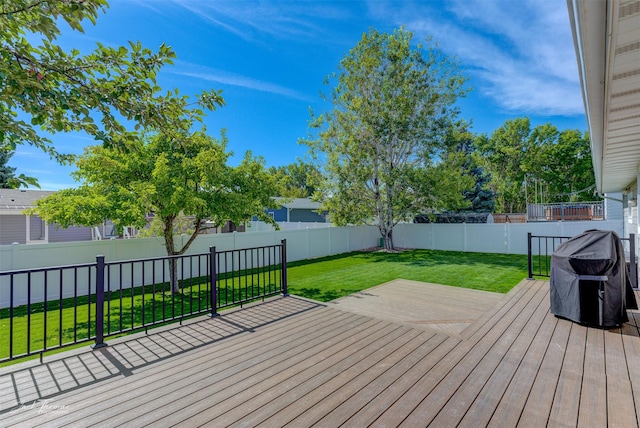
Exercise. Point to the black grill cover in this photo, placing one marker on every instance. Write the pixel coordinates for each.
(594, 253)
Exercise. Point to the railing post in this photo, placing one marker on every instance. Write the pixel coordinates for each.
(213, 269)
(632, 263)
(99, 303)
(283, 256)
(529, 256)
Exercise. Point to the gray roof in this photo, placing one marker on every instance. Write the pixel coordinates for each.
(21, 199)
(299, 203)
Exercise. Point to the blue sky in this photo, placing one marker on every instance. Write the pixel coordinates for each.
(270, 59)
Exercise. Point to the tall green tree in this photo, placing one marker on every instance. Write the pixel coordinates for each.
(478, 195)
(392, 105)
(565, 167)
(8, 177)
(504, 155)
(170, 179)
(7, 173)
(43, 87)
(536, 165)
(296, 180)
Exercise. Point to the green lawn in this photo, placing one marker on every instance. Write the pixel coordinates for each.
(331, 277)
(322, 279)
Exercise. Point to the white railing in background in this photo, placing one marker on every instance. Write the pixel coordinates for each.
(566, 211)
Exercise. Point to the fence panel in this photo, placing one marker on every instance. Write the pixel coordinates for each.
(362, 237)
(339, 241)
(319, 241)
(407, 235)
(487, 238)
(448, 237)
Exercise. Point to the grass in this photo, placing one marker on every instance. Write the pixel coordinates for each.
(321, 279)
(332, 277)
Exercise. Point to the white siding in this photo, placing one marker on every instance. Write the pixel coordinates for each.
(613, 209)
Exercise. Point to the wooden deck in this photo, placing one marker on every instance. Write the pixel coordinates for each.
(419, 304)
(293, 362)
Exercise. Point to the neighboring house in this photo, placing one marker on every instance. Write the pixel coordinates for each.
(297, 210)
(606, 36)
(16, 227)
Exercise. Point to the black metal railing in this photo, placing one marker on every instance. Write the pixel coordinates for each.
(54, 307)
(540, 249)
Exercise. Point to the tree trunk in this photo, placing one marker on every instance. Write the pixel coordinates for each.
(385, 226)
(173, 263)
(387, 234)
(173, 274)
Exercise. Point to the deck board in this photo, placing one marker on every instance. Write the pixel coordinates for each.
(540, 399)
(230, 367)
(564, 410)
(322, 393)
(494, 388)
(621, 412)
(508, 411)
(447, 376)
(294, 362)
(260, 380)
(593, 402)
(630, 335)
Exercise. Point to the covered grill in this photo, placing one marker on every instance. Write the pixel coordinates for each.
(589, 280)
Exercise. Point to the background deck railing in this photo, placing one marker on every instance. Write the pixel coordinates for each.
(540, 249)
(55, 307)
(566, 211)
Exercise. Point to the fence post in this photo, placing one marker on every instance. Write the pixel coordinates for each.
(213, 269)
(283, 256)
(99, 303)
(632, 263)
(529, 256)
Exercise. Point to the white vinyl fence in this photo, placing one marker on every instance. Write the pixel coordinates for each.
(505, 238)
(302, 244)
(509, 238)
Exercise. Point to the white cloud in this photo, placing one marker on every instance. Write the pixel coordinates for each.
(518, 53)
(233, 79)
(253, 20)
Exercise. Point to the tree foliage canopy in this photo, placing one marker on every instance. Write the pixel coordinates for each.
(503, 155)
(478, 197)
(8, 177)
(565, 167)
(296, 180)
(44, 87)
(392, 105)
(521, 159)
(166, 179)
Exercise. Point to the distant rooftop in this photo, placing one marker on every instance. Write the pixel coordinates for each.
(20, 198)
(299, 203)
